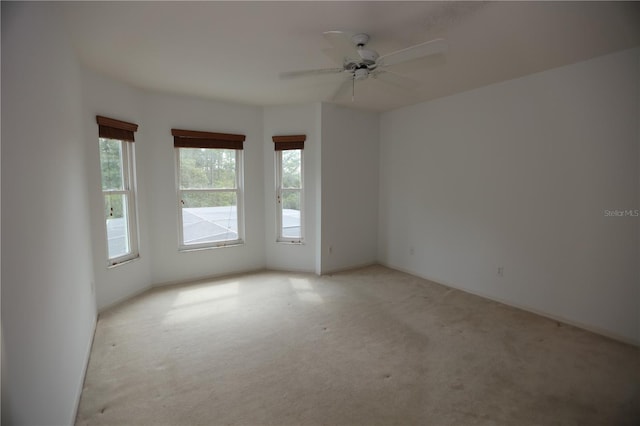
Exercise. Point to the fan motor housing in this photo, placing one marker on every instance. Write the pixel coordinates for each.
(361, 73)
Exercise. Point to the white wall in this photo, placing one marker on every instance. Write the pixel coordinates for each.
(350, 141)
(103, 96)
(161, 113)
(48, 308)
(518, 175)
(292, 120)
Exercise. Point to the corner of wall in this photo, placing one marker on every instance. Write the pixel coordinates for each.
(350, 152)
(318, 182)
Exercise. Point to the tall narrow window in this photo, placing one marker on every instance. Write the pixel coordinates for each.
(209, 167)
(289, 187)
(118, 188)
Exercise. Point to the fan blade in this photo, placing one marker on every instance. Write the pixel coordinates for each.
(395, 79)
(421, 50)
(305, 73)
(342, 43)
(344, 88)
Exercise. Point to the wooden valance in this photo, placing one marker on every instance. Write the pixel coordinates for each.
(283, 143)
(196, 139)
(115, 129)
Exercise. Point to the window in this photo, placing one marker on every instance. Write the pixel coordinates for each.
(209, 174)
(289, 185)
(118, 188)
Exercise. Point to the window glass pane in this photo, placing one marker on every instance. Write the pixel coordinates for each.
(117, 225)
(209, 217)
(291, 166)
(291, 214)
(202, 168)
(111, 164)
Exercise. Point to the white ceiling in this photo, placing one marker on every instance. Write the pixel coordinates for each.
(234, 51)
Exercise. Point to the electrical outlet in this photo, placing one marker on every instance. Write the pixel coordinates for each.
(330, 249)
(501, 271)
(412, 251)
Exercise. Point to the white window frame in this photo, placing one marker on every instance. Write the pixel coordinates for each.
(239, 190)
(129, 191)
(279, 190)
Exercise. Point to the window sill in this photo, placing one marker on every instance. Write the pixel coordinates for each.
(291, 243)
(123, 262)
(187, 249)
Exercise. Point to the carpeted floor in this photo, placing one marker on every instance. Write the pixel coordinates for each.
(366, 347)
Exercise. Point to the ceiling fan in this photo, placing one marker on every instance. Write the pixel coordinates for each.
(359, 62)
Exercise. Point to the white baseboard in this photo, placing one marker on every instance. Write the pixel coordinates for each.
(559, 318)
(349, 268)
(84, 370)
(174, 282)
(205, 278)
(294, 270)
(123, 299)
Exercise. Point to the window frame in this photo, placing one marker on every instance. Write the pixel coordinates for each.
(239, 190)
(287, 143)
(124, 133)
(129, 192)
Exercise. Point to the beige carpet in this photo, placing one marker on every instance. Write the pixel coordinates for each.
(367, 347)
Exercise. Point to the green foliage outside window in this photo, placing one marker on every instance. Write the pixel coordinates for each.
(111, 169)
(111, 164)
(208, 199)
(291, 200)
(208, 169)
(291, 178)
